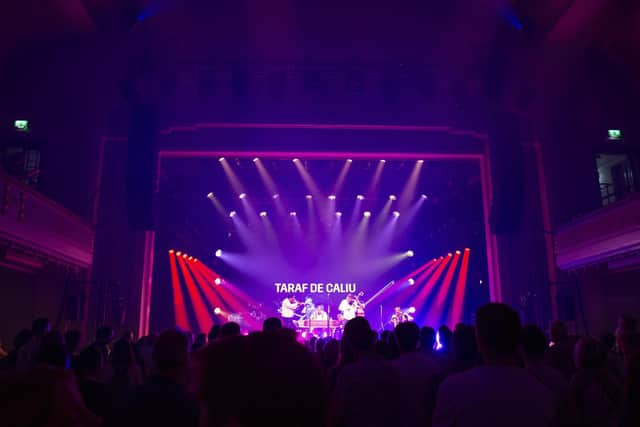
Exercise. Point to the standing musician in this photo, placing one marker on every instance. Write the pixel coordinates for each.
(359, 305)
(400, 317)
(287, 310)
(348, 307)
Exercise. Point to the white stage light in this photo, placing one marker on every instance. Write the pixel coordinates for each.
(332, 197)
(411, 282)
(338, 214)
(217, 281)
(221, 159)
(255, 160)
(263, 214)
(232, 214)
(360, 197)
(392, 197)
(309, 196)
(409, 253)
(367, 214)
(210, 196)
(292, 213)
(396, 214)
(412, 310)
(217, 311)
(242, 195)
(218, 253)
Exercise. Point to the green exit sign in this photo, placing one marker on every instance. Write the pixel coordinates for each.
(614, 134)
(21, 125)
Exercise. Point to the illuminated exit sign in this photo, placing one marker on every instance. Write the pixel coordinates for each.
(21, 125)
(614, 134)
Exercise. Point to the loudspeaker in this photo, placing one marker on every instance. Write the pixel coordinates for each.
(140, 167)
(507, 162)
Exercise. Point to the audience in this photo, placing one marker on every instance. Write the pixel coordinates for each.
(271, 324)
(493, 373)
(594, 393)
(559, 355)
(230, 329)
(163, 400)
(533, 347)
(29, 351)
(417, 375)
(428, 341)
(500, 393)
(365, 381)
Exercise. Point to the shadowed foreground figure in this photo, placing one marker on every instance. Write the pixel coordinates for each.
(263, 379)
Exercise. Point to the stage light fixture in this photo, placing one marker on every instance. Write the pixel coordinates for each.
(332, 197)
(467, 249)
(184, 256)
(458, 252)
(217, 311)
(449, 254)
(360, 197)
(218, 253)
(190, 258)
(349, 160)
(292, 213)
(367, 214)
(221, 159)
(383, 161)
(412, 282)
(179, 253)
(275, 196)
(232, 214)
(338, 214)
(263, 214)
(217, 281)
(421, 161)
(296, 160)
(392, 197)
(481, 282)
(424, 196)
(409, 253)
(411, 310)
(242, 195)
(210, 196)
(396, 214)
(255, 160)
(195, 260)
(309, 196)
(170, 251)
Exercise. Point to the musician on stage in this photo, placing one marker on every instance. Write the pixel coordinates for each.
(287, 311)
(319, 314)
(400, 317)
(348, 307)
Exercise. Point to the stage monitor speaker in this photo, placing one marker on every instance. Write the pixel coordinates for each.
(140, 168)
(507, 162)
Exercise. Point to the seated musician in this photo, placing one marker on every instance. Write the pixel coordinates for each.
(400, 317)
(319, 313)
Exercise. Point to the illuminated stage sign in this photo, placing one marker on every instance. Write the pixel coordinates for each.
(315, 288)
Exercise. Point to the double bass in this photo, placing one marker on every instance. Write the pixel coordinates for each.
(359, 305)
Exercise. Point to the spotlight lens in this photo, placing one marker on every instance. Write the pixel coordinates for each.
(367, 214)
(217, 310)
(255, 159)
(467, 249)
(275, 196)
(292, 213)
(412, 310)
(349, 160)
(332, 197)
(263, 214)
(360, 197)
(410, 253)
(392, 197)
(179, 253)
(232, 214)
(338, 214)
(184, 256)
(396, 214)
(221, 159)
(309, 196)
(218, 253)
(383, 161)
(421, 161)
(171, 251)
(412, 282)
(424, 196)
(457, 252)
(295, 160)
(217, 281)
(210, 196)
(242, 195)
(190, 258)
